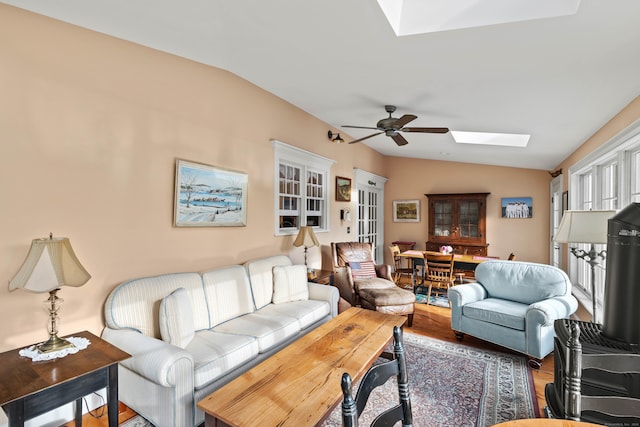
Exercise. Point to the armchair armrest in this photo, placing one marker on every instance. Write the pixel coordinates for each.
(325, 293)
(152, 358)
(467, 293)
(547, 311)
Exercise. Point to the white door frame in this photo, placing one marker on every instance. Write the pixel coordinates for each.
(370, 182)
(555, 215)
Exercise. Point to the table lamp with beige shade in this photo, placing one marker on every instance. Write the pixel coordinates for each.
(586, 227)
(50, 264)
(307, 238)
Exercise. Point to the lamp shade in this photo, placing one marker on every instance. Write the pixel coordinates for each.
(583, 227)
(50, 264)
(306, 238)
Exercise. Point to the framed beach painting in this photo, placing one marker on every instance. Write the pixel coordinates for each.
(343, 189)
(207, 196)
(517, 207)
(406, 211)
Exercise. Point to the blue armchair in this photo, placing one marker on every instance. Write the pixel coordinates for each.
(513, 304)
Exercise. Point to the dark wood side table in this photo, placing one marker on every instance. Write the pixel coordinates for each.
(29, 389)
(323, 277)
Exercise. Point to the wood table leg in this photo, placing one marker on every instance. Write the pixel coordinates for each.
(112, 395)
(79, 412)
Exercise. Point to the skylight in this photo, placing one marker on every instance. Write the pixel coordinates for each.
(427, 16)
(487, 138)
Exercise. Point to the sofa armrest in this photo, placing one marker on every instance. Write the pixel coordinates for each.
(547, 311)
(325, 293)
(151, 358)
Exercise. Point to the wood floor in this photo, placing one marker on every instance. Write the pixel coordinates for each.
(428, 320)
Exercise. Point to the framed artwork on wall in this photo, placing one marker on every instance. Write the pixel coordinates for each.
(517, 207)
(406, 210)
(343, 189)
(207, 196)
(565, 201)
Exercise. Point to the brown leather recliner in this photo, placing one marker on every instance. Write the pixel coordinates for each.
(379, 293)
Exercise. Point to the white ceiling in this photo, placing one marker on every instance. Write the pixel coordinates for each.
(558, 79)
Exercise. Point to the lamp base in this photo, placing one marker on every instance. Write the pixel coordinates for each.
(54, 344)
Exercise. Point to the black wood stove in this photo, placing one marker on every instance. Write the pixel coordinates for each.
(620, 332)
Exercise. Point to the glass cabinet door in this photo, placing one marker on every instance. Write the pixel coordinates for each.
(469, 219)
(443, 219)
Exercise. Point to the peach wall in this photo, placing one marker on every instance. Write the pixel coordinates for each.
(90, 127)
(527, 238)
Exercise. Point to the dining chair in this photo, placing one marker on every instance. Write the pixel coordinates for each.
(398, 270)
(377, 376)
(439, 273)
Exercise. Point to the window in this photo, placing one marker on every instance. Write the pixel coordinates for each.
(302, 196)
(608, 178)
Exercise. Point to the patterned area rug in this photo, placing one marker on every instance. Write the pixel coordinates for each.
(136, 421)
(453, 385)
(438, 300)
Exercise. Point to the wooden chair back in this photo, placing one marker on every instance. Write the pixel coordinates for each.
(375, 377)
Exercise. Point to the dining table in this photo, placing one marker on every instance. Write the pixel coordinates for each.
(461, 262)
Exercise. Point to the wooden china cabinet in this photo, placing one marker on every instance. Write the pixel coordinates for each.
(458, 220)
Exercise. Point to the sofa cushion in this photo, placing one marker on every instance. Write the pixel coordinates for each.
(216, 354)
(176, 318)
(501, 312)
(290, 283)
(267, 330)
(307, 312)
(261, 277)
(524, 282)
(228, 293)
(362, 270)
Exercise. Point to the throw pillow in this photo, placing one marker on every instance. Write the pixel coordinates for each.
(290, 283)
(363, 270)
(176, 318)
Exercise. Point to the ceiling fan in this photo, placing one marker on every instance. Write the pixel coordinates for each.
(392, 127)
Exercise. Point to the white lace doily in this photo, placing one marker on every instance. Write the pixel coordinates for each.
(33, 353)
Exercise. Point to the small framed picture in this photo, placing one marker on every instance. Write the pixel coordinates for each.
(207, 196)
(517, 207)
(406, 211)
(343, 189)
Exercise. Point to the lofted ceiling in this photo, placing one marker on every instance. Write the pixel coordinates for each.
(558, 79)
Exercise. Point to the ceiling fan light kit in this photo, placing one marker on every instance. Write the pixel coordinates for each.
(392, 127)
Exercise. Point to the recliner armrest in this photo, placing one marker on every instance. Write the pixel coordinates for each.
(384, 271)
(152, 358)
(344, 282)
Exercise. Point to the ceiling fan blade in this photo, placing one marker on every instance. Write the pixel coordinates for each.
(358, 127)
(366, 137)
(426, 130)
(399, 139)
(404, 120)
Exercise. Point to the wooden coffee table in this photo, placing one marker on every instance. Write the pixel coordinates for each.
(300, 385)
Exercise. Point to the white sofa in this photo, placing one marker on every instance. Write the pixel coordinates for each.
(191, 333)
